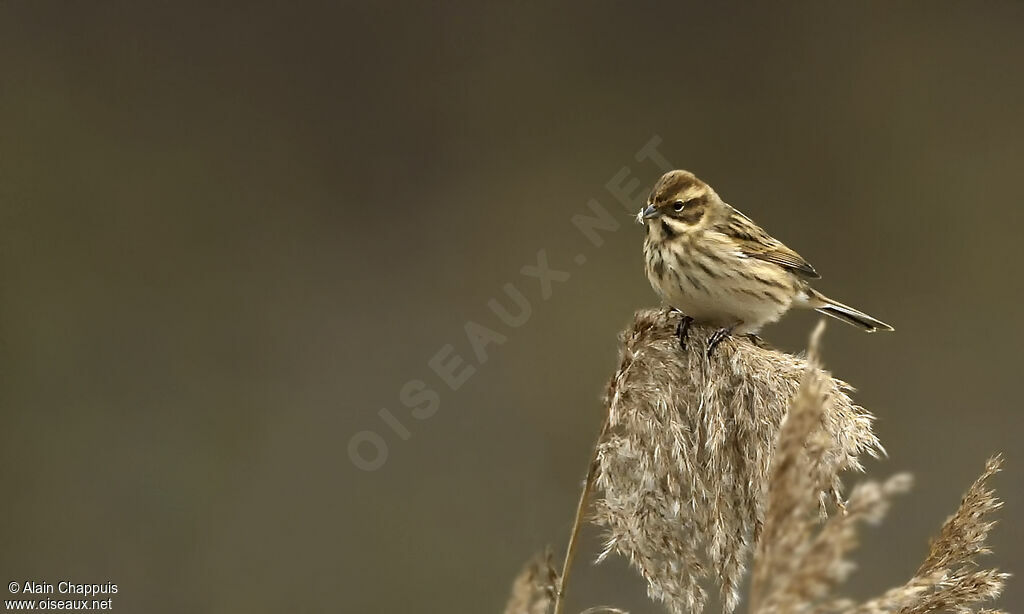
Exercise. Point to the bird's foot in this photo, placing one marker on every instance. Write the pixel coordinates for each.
(717, 337)
(682, 328)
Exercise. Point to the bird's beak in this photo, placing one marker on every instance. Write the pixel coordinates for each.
(649, 212)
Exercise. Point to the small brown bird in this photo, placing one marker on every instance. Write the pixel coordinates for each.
(718, 267)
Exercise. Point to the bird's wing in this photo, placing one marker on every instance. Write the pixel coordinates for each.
(754, 242)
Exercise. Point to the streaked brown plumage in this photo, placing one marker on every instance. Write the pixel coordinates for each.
(717, 266)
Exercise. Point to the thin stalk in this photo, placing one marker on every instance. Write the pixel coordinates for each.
(577, 524)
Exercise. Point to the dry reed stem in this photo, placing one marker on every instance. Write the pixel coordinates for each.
(577, 523)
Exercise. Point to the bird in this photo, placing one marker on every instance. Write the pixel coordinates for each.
(714, 264)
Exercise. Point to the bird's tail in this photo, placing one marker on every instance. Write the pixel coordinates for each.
(847, 314)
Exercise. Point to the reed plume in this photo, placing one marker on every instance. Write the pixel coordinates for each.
(800, 560)
(533, 591)
(683, 467)
(702, 460)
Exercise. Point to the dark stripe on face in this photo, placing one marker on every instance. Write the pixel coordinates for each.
(667, 230)
(691, 213)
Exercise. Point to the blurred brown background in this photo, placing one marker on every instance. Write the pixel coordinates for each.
(231, 234)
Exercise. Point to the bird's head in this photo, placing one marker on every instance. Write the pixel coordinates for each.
(679, 203)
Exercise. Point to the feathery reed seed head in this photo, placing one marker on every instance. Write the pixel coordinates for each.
(533, 591)
(700, 458)
(683, 468)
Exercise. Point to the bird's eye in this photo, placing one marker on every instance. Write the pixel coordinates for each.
(678, 206)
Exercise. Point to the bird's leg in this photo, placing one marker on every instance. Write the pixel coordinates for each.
(682, 328)
(717, 338)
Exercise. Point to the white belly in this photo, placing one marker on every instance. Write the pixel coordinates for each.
(720, 307)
